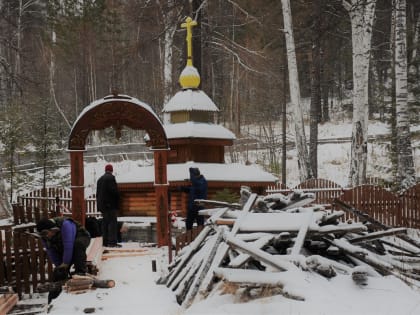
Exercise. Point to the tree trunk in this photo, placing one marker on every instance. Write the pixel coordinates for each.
(394, 155)
(315, 90)
(405, 165)
(305, 171)
(167, 64)
(361, 17)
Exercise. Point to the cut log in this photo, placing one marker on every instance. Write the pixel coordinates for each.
(194, 246)
(231, 214)
(376, 235)
(302, 234)
(258, 254)
(360, 276)
(331, 218)
(186, 282)
(76, 283)
(223, 248)
(228, 222)
(247, 277)
(215, 203)
(373, 221)
(315, 261)
(204, 268)
(9, 300)
(191, 250)
(243, 258)
(360, 214)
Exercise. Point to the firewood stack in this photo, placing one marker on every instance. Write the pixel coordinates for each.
(268, 243)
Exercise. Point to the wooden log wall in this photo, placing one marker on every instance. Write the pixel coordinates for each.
(135, 204)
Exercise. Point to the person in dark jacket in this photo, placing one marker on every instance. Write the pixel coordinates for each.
(107, 200)
(197, 190)
(66, 242)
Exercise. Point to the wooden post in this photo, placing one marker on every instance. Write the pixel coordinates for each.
(77, 186)
(162, 203)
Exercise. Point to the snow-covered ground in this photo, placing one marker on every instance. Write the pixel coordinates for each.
(136, 292)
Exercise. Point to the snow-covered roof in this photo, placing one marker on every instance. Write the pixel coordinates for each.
(190, 100)
(118, 98)
(192, 129)
(234, 172)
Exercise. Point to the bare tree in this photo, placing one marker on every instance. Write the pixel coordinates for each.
(405, 165)
(305, 170)
(362, 15)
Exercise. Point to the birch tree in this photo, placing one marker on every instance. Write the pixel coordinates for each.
(305, 171)
(169, 13)
(315, 108)
(405, 164)
(362, 13)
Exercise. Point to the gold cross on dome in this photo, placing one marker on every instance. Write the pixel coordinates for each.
(189, 23)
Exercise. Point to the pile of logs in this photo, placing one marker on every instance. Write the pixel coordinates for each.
(77, 284)
(270, 242)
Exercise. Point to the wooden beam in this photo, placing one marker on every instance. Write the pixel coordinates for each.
(376, 235)
(259, 254)
(223, 248)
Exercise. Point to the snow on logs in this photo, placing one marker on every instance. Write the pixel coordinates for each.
(272, 241)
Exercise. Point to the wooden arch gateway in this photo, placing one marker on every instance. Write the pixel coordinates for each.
(117, 111)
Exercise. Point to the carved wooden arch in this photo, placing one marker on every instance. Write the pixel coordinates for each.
(117, 111)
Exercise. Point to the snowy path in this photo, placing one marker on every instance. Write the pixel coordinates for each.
(135, 291)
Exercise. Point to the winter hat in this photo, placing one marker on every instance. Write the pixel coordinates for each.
(194, 171)
(109, 168)
(45, 224)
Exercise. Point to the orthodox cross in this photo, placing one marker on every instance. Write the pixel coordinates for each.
(189, 23)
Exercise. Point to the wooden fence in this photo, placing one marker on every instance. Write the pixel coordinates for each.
(387, 207)
(24, 261)
(381, 204)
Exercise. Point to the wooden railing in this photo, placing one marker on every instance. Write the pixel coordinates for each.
(24, 261)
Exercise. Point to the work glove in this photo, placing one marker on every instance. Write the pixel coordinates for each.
(61, 272)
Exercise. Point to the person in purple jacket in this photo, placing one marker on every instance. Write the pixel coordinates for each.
(66, 242)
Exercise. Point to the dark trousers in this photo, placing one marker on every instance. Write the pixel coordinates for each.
(109, 228)
(192, 216)
(81, 243)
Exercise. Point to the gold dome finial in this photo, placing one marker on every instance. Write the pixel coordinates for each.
(189, 78)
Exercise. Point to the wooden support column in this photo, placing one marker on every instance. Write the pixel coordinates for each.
(78, 206)
(162, 201)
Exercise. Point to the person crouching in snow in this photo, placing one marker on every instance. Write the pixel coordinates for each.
(197, 190)
(66, 242)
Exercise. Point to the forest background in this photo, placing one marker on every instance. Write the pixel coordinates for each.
(58, 56)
